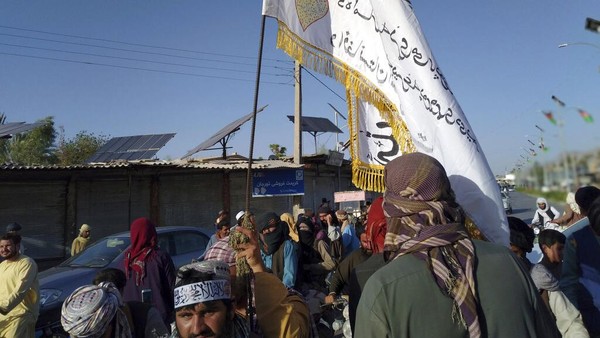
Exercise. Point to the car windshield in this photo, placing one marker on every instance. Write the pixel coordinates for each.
(100, 254)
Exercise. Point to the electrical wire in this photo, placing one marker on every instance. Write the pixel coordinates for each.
(141, 45)
(137, 68)
(140, 60)
(321, 82)
(128, 50)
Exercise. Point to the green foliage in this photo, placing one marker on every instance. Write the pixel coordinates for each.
(32, 148)
(79, 148)
(37, 147)
(277, 150)
(554, 196)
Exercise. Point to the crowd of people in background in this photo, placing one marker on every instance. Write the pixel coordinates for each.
(412, 269)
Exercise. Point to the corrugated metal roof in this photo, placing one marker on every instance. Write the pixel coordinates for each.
(193, 164)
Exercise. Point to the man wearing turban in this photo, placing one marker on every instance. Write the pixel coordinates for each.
(438, 282)
(94, 311)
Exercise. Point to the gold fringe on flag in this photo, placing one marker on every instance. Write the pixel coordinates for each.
(364, 175)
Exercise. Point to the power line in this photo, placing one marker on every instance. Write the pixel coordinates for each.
(132, 59)
(321, 82)
(139, 44)
(130, 50)
(147, 52)
(138, 68)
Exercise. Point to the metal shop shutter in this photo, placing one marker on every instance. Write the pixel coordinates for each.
(40, 209)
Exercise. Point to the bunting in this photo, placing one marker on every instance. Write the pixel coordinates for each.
(585, 115)
(558, 101)
(398, 98)
(550, 117)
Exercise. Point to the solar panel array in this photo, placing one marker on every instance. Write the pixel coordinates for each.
(9, 129)
(317, 125)
(228, 129)
(131, 148)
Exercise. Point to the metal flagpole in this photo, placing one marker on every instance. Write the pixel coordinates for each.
(251, 153)
(243, 270)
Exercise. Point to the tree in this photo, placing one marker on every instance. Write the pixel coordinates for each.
(31, 148)
(79, 148)
(277, 150)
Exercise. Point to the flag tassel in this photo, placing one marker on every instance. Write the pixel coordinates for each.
(364, 176)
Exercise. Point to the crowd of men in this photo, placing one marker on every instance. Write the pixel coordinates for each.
(415, 270)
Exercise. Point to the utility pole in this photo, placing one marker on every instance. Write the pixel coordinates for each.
(561, 137)
(297, 200)
(297, 113)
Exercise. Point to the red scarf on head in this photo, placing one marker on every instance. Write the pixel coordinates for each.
(142, 249)
(376, 226)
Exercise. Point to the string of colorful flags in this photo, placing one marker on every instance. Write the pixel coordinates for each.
(550, 115)
(587, 117)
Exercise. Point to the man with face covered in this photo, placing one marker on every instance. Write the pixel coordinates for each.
(278, 251)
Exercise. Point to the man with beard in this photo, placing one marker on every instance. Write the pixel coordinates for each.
(222, 230)
(148, 267)
(19, 290)
(545, 213)
(278, 251)
(15, 228)
(280, 312)
(203, 303)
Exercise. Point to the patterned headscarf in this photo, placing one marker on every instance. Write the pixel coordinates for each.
(89, 310)
(142, 249)
(425, 221)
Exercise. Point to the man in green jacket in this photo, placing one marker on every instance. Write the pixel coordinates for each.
(437, 281)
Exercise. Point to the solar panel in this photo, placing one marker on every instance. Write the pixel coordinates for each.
(228, 129)
(9, 129)
(317, 125)
(131, 148)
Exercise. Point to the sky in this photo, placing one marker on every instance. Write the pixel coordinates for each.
(122, 68)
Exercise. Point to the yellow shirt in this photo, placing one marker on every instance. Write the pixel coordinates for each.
(19, 288)
(79, 244)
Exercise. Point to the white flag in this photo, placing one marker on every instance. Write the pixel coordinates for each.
(376, 49)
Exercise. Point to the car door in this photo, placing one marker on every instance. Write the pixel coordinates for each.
(187, 245)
